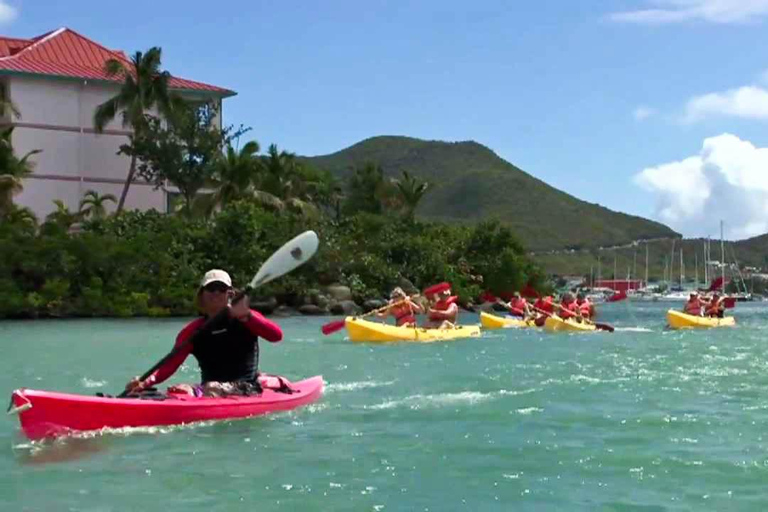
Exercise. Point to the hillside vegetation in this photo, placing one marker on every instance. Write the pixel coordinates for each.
(469, 183)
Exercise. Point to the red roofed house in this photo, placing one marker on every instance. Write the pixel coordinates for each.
(57, 80)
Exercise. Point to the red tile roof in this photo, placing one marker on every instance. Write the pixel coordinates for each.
(65, 53)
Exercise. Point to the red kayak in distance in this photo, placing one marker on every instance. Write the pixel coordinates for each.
(50, 414)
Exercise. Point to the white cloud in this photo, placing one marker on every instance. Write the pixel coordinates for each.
(727, 180)
(749, 102)
(712, 11)
(641, 113)
(8, 13)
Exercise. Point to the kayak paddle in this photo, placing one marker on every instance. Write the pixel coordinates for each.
(332, 327)
(295, 252)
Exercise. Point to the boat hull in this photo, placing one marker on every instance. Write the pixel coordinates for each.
(365, 331)
(50, 414)
(680, 320)
(489, 321)
(556, 324)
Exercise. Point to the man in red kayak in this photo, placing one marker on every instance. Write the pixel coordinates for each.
(228, 353)
(443, 313)
(402, 308)
(694, 305)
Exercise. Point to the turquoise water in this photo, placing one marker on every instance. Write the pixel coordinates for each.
(641, 419)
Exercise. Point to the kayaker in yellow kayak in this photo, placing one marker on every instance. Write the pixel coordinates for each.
(568, 307)
(518, 306)
(402, 308)
(443, 312)
(694, 305)
(715, 307)
(585, 306)
(228, 355)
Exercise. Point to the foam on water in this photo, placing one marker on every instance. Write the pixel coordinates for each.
(355, 386)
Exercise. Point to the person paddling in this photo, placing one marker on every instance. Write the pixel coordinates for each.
(228, 353)
(545, 307)
(519, 306)
(443, 313)
(694, 305)
(568, 307)
(585, 306)
(715, 307)
(402, 308)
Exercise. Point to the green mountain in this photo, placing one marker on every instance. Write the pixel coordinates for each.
(469, 183)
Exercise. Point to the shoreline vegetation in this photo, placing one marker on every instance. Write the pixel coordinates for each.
(148, 264)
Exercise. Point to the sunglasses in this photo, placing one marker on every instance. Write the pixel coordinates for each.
(216, 287)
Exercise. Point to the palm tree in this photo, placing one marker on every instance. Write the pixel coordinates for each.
(62, 217)
(236, 173)
(21, 216)
(13, 170)
(92, 204)
(412, 191)
(283, 183)
(144, 87)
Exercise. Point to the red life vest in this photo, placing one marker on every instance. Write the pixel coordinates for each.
(693, 307)
(443, 305)
(517, 306)
(585, 308)
(544, 304)
(569, 310)
(403, 314)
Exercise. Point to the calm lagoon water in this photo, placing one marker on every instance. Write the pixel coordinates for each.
(641, 419)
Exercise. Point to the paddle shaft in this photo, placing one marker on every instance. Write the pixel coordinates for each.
(191, 340)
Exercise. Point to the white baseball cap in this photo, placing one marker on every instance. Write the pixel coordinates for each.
(216, 275)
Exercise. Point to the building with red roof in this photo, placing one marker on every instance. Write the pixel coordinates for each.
(57, 80)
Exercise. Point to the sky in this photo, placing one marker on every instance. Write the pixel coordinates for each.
(657, 108)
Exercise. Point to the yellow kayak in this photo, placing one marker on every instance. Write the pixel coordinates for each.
(556, 324)
(363, 330)
(680, 320)
(489, 321)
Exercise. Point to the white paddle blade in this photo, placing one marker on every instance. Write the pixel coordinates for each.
(294, 253)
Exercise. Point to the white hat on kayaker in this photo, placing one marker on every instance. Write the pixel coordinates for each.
(216, 275)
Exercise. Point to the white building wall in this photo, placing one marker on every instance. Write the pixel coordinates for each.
(57, 117)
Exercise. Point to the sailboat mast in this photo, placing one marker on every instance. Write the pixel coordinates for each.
(681, 267)
(696, 266)
(722, 255)
(671, 263)
(706, 263)
(634, 265)
(646, 264)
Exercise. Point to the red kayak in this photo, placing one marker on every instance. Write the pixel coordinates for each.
(49, 414)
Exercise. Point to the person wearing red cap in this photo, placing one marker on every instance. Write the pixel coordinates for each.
(443, 312)
(228, 354)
